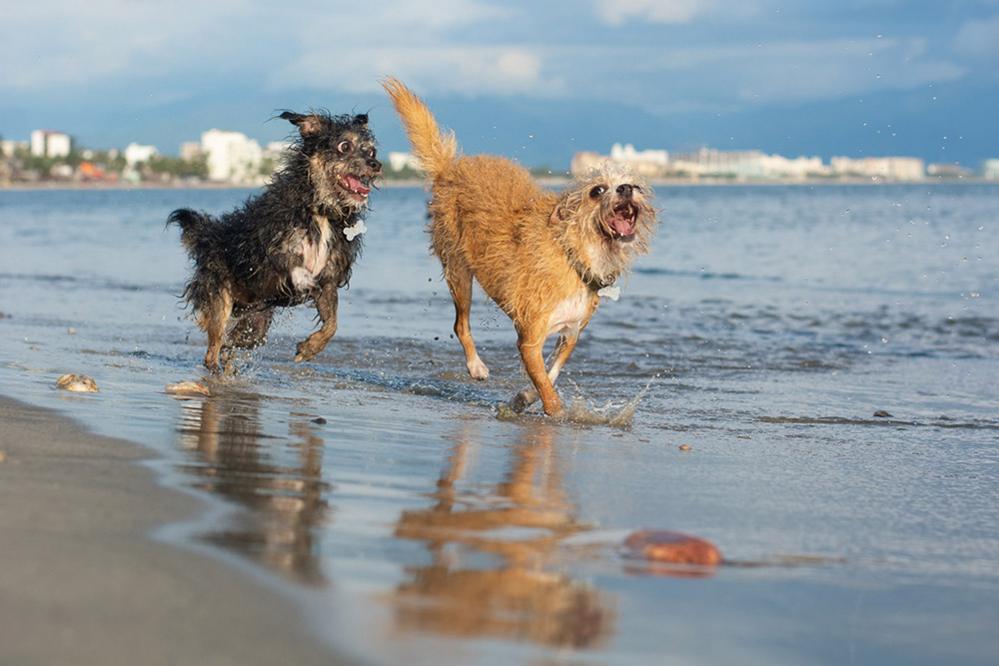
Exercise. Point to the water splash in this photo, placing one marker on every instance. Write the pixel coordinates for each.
(580, 410)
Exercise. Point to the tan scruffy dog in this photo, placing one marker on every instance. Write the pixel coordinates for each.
(541, 256)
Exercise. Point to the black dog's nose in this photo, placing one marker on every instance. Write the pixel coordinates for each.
(625, 190)
(375, 165)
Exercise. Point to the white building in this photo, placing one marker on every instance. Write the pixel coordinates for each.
(399, 161)
(649, 163)
(888, 168)
(990, 169)
(190, 151)
(49, 143)
(137, 153)
(8, 147)
(277, 153)
(232, 156)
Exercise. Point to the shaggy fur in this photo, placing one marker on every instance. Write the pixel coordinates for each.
(286, 246)
(542, 257)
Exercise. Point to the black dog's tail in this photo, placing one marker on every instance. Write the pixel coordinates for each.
(198, 234)
(195, 228)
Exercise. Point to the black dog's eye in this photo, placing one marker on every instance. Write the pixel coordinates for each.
(598, 191)
(371, 153)
(344, 147)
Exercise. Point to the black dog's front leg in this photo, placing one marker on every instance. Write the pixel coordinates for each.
(326, 304)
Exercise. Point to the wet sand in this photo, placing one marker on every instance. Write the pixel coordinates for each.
(82, 582)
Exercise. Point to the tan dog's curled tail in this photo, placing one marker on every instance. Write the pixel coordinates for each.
(436, 150)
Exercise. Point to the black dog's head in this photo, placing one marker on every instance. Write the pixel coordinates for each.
(340, 155)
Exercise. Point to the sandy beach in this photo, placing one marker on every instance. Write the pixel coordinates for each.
(81, 580)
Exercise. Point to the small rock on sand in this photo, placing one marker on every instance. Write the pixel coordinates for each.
(187, 388)
(672, 548)
(77, 383)
(882, 414)
(3, 457)
(319, 420)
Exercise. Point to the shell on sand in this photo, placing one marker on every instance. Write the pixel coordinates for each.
(77, 383)
(672, 547)
(187, 388)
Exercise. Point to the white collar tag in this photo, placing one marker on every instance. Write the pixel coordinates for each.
(355, 230)
(610, 291)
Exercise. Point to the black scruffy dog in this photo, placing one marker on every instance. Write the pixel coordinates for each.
(293, 243)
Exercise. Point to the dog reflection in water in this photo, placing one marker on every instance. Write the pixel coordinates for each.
(464, 593)
(234, 459)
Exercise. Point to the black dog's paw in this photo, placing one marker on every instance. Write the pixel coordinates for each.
(303, 352)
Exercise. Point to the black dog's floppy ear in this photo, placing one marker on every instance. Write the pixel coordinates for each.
(361, 119)
(307, 125)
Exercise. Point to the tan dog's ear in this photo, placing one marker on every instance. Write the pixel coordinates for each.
(567, 206)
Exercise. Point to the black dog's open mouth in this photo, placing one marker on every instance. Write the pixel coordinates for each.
(355, 186)
(623, 221)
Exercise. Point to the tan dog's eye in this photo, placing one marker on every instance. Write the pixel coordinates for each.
(344, 147)
(598, 191)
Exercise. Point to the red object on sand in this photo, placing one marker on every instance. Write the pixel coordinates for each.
(672, 548)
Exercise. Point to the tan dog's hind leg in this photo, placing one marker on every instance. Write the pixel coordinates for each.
(213, 321)
(563, 350)
(531, 347)
(326, 305)
(459, 281)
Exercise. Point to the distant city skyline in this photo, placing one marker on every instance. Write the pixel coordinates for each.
(537, 82)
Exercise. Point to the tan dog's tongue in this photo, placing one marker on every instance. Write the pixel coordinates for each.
(622, 225)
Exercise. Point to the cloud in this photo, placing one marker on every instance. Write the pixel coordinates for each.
(449, 69)
(979, 38)
(618, 12)
(104, 41)
(710, 79)
(427, 48)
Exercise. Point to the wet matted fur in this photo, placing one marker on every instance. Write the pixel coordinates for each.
(541, 256)
(287, 245)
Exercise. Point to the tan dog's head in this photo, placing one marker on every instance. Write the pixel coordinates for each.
(606, 219)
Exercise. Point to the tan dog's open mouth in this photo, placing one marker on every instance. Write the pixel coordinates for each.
(622, 223)
(355, 186)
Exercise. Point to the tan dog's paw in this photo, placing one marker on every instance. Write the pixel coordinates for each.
(477, 369)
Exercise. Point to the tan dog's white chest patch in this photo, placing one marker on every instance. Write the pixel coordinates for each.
(570, 313)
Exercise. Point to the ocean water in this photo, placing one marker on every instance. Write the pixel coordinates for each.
(417, 522)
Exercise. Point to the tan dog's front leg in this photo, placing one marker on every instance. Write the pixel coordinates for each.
(534, 363)
(563, 350)
(326, 304)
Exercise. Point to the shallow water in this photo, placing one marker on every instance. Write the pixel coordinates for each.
(421, 523)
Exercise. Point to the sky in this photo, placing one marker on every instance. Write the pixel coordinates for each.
(536, 81)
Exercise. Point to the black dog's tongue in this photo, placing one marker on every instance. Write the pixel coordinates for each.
(356, 185)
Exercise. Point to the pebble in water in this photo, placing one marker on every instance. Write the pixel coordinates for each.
(882, 414)
(77, 383)
(685, 447)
